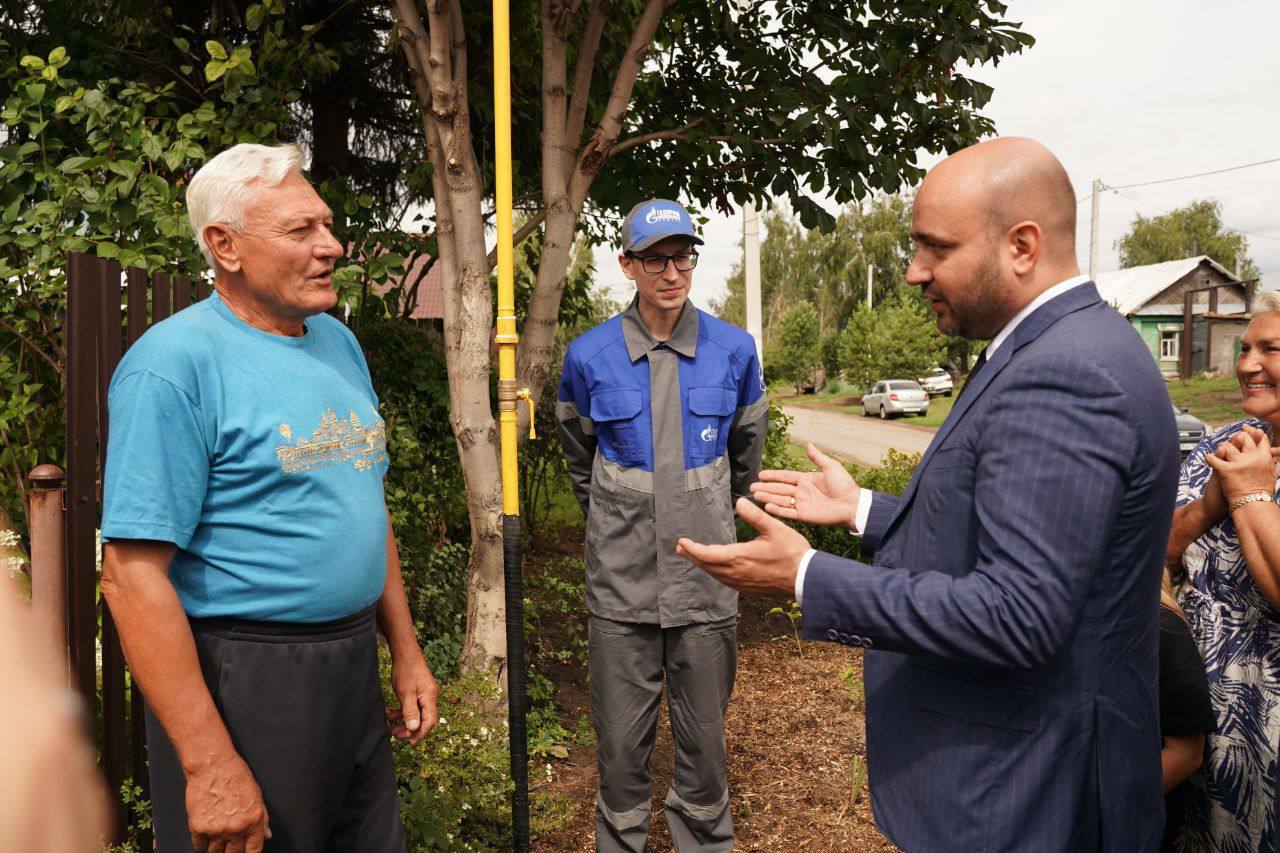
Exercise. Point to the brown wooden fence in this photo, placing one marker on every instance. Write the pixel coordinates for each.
(107, 311)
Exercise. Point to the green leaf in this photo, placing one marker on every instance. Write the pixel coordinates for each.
(174, 158)
(214, 69)
(182, 44)
(253, 17)
(107, 250)
(63, 103)
(124, 168)
(35, 92)
(151, 147)
(57, 55)
(33, 62)
(216, 50)
(11, 212)
(73, 164)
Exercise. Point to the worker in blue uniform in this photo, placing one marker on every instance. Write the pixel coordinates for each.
(662, 414)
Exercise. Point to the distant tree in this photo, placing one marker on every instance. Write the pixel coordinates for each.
(793, 354)
(1195, 229)
(827, 269)
(898, 340)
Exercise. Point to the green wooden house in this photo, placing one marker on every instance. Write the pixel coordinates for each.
(1152, 299)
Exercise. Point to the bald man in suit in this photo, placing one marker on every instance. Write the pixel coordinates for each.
(1010, 614)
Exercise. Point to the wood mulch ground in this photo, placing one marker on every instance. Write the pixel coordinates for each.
(797, 747)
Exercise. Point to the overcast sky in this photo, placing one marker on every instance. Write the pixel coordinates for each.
(1125, 91)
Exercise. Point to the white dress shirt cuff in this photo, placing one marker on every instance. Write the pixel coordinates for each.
(862, 512)
(804, 566)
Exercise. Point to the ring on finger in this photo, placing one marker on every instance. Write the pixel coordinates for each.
(792, 500)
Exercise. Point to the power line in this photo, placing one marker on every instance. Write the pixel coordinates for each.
(1116, 190)
(1196, 175)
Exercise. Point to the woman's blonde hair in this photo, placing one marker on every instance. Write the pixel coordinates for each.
(1265, 300)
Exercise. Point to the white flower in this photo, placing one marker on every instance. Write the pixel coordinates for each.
(484, 731)
(8, 539)
(443, 722)
(13, 566)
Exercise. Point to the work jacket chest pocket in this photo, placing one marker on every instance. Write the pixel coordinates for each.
(711, 409)
(618, 425)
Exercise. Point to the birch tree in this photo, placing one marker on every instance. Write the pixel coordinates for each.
(714, 101)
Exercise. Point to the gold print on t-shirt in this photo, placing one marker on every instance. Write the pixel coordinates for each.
(335, 441)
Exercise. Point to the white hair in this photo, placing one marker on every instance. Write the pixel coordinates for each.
(223, 188)
(1265, 300)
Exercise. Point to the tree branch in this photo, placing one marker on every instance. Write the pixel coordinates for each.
(31, 345)
(645, 138)
(411, 298)
(596, 151)
(555, 164)
(459, 34)
(522, 232)
(413, 41)
(582, 73)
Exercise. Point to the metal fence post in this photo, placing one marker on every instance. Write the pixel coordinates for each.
(49, 555)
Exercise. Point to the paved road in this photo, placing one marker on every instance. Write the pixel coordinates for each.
(862, 440)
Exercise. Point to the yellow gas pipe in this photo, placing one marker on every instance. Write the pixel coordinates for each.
(508, 395)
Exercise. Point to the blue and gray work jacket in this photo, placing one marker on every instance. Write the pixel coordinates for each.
(660, 438)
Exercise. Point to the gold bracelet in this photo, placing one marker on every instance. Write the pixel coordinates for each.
(1248, 499)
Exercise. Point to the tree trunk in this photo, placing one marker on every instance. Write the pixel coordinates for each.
(437, 60)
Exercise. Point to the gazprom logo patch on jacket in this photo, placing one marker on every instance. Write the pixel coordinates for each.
(710, 433)
(657, 214)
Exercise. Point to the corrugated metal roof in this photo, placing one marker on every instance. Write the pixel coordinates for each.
(1130, 289)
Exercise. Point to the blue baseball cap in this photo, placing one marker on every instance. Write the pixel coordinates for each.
(654, 220)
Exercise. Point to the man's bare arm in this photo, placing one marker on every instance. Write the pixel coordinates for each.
(224, 803)
(411, 678)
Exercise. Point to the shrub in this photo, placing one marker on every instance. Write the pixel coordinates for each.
(455, 785)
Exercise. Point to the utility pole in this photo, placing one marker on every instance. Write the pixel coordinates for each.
(751, 274)
(1093, 232)
(869, 273)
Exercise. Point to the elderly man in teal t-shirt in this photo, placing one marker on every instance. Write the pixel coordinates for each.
(249, 556)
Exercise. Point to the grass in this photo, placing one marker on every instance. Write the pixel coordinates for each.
(1213, 399)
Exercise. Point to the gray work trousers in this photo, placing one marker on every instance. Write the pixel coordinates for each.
(627, 664)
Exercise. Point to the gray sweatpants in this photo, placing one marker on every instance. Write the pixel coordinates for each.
(304, 709)
(627, 665)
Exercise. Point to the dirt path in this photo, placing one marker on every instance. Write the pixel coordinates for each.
(862, 440)
(796, 748)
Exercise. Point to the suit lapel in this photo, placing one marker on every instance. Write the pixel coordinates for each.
(1027, 331)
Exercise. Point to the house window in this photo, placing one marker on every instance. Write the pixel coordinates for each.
(1169, 345)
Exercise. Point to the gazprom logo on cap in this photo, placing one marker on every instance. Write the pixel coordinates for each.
(658, 214)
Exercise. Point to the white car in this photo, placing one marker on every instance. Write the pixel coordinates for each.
(937, 381)
(895, 397)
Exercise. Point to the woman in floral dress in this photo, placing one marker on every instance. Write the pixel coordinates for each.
(1225, 546)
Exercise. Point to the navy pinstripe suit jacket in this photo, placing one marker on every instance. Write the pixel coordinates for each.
(1011, 613)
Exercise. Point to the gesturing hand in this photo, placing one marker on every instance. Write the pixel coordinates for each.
(225, 810)
(1244, 464)
(416, 688)
(826, 496)
(767, 565)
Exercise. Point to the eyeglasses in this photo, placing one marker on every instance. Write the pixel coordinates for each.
(657, 264)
